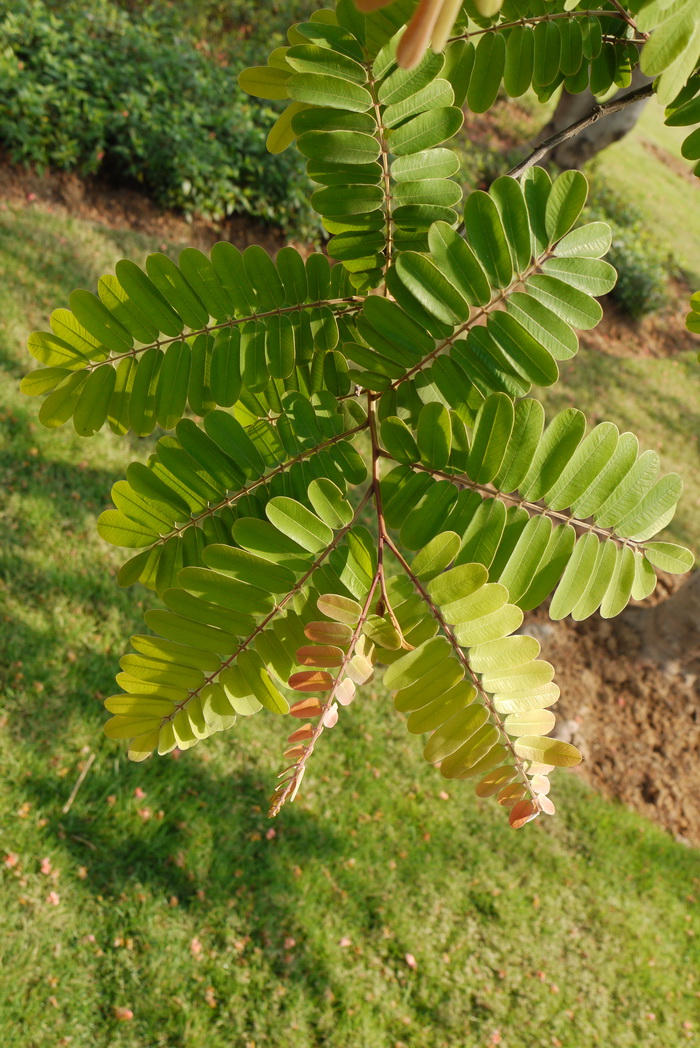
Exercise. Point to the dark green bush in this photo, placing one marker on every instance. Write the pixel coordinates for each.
(138, 96)
(642, 265)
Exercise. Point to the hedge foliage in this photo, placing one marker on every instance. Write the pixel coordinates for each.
(643, 266)
(134, 94)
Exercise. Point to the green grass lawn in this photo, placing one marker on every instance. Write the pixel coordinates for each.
(377, 912)
(659, 400)
(635, 167)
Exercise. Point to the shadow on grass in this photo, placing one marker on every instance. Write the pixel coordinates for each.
(207, 857)
(70, 492)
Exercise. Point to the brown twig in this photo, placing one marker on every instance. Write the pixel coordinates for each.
(230, 500)
(377, 453)
(620, 13)
(628, 18)
(606, 109)
(232, 322)
(386, 174)
(80, 780)
(462, 481)
(474, 317)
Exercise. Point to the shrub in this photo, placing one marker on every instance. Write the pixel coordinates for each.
(642, 265)
(131, 95)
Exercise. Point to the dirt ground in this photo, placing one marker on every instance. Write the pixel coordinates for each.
(636, 723)
(661, 334)
(124, 208)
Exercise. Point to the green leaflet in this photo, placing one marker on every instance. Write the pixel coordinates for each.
(459, 264)
(324, 90)
(486, 235)
(668, 557)
(430, 288)
(264, 82)
(434, 435)
(575, 307)
(403, 83)
(429, 515)
(591, 275)
(398, 440)
(492, 431)
(100, 322)
(519, 61)
(560, 440)
(311, 58)
(328, 502)
(436, 95)
(565, 202)
(526, 356)
(547, 53)
(436, 556)
(220, 589)
(300, 524)
(124, 310)
(668, 43)
(589, 241)
(548, 751)
(246, 567)
(512, 208)
(174, 287)
(549, 330)
(454, 732)
(55, 352)
(147, 298)
(92, 407)
(426, 130)
(339, 147)
(431, 163)
(489, 66)
(571, 47)
(442, 708)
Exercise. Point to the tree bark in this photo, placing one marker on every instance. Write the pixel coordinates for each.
(609, 129)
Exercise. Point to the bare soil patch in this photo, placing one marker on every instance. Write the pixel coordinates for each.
(637, 722)
(661, 334)
(120, 207)
(673, 163)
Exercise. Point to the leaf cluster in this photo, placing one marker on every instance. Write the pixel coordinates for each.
(347, 480)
